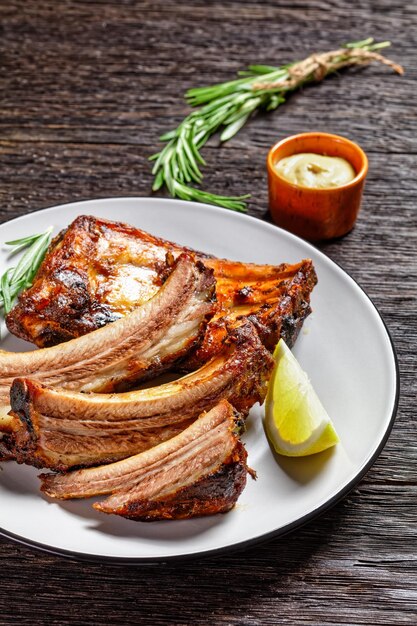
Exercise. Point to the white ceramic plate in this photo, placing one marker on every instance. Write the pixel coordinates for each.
(344, 346)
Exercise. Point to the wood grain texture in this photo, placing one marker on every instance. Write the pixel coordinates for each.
(86, 89)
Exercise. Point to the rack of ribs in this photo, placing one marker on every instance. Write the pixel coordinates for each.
(201, 471)
(112, 306)
(61, 429)
(97, 271)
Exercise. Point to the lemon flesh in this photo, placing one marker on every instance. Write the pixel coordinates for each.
(296, 422)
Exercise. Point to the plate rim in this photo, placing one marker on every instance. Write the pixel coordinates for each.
(258, 540)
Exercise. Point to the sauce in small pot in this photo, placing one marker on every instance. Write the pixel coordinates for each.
(315, 171)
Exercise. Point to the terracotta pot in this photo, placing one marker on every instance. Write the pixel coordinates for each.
(316, 214)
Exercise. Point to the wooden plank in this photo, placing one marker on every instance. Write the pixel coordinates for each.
(86, 90)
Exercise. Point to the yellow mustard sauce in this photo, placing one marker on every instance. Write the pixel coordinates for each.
(315, 170)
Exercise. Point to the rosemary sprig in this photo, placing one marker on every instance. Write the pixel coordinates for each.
(228, 106)
(21, 276)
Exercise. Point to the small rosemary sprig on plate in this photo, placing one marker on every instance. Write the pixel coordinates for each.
(229, 106)
(21, 276)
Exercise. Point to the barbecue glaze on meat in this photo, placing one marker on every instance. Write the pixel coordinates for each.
(61, 429)
(201, 471)
(97, 271)
(145, 342)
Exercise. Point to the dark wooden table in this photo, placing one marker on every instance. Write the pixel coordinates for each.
(86, 89)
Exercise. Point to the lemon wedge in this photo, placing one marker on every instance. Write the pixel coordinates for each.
(296, 422)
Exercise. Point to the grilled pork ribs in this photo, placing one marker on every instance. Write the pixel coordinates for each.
(126, 306)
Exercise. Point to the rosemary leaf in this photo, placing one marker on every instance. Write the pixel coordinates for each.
(22, 242)
(5, 290)
(234, 127)
(171, 134)
(194, 146)
(159, 181)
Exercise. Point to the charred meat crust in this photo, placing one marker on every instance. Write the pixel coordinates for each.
(202, 471)
(216, 493)
(276, 309)
(61, 429)
(81, 286)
